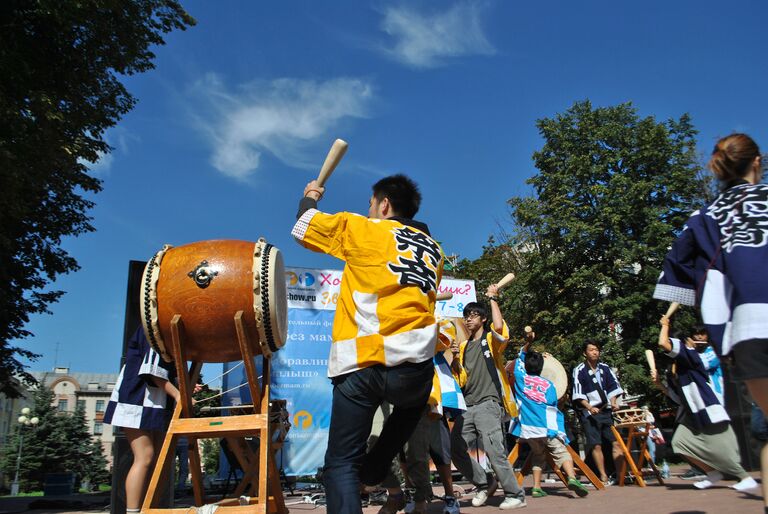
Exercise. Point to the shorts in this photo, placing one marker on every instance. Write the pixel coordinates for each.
(597, 427)
(751, 359)
(540, 446)
(440, 442)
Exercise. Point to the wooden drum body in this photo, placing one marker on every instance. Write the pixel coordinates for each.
(207, 283)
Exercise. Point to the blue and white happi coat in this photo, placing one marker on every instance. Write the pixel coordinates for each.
(451, 398)
(712, 365)
(136, 402)
(718, 263)
(538, 415)
(584, 387)
(697, 389)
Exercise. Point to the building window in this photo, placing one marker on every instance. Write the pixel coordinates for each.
(99, 405)
(63, 405)
(98, 428)
(81, 404)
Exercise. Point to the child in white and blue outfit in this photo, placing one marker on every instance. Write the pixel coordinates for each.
(540, 423)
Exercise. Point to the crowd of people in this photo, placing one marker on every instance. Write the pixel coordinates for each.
(447, 393)
(385, 334)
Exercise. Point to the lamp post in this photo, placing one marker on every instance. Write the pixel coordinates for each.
(24, 421)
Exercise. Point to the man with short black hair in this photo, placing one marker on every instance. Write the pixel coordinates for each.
(596, 393)
(478, 366)
(384, 330)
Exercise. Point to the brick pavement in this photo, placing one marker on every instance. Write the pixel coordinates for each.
(678, 497)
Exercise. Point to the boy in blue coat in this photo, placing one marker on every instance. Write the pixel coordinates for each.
(540, 423)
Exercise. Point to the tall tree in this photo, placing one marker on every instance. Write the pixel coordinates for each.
(60, 442)
(60, 90)
(611, 191)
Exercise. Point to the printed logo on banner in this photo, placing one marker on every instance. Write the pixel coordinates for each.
(312, 289)
(302, 419)
(305, 279)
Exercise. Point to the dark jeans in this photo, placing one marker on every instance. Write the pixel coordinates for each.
(356, 396)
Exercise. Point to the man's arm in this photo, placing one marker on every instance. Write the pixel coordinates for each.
(664, 342)
(496, 318)
(312, 194)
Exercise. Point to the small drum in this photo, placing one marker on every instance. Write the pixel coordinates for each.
(552, 371)
(555, 373)
(207, 283)
(629, 417)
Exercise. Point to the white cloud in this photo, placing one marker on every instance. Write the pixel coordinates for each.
(426, 40)
(284, 117)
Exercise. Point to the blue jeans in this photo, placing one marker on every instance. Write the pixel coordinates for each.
(356, 396)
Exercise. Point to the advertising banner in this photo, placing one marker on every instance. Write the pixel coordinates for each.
(299, 369)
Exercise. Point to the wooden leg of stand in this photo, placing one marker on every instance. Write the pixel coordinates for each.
(579, 463)
(275, 490)
(512, 458)
(560, 475)
(628, 460)
(266, 436)
(250, 367)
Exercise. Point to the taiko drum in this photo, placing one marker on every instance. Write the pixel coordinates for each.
(207, 283)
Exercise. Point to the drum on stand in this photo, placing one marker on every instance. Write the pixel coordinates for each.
(207, 283)
(555, 373)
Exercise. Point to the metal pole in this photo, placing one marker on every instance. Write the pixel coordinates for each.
(15, 484)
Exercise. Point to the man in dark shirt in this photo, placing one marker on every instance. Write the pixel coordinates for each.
(478, 367)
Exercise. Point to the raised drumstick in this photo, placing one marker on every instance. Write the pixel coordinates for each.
(441, 297)
(509, 277)
(337, 151)
(528, 329)
(651, 360)
(672, 308)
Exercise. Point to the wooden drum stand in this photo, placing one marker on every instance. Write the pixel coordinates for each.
(260, 490)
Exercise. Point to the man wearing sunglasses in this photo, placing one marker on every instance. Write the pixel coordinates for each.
(478, 365)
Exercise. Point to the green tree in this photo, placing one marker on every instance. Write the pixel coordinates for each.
(61, 442)
(611, 191)
(60, 90)
(35, 447)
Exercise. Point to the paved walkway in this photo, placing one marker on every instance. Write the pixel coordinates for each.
(677, 497)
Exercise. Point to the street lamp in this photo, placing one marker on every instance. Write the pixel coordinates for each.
(24, 421)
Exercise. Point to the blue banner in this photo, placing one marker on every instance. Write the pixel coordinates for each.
(299, 371)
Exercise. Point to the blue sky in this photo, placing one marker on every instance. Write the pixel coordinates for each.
(241, 110)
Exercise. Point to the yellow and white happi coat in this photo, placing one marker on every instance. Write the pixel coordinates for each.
(385, 312)
(497, 343)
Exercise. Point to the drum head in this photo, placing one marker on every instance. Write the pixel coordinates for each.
(555, 373)
(274, 299)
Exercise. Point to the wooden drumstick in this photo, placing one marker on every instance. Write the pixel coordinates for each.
(672, 308)
(441, 297)
(509, 277)
(337, 151)
(651, 360)
(528, 329)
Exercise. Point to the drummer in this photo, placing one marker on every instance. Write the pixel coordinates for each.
(478, 368)
(540, 423)
(384, 332)
(596, 393)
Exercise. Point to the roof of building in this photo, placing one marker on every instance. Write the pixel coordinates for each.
(83, 379)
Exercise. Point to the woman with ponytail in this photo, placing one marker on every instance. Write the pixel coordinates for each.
(719, 263)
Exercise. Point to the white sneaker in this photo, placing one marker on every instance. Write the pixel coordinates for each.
(712, 478)
(510, 502)
(745, 485)
(482, 495)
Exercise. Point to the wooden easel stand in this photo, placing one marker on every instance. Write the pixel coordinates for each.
(261, 479)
